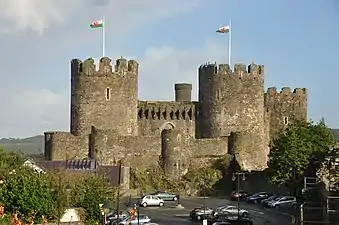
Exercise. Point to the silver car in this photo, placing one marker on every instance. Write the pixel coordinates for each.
(231, 210)
(284, 202)
(134, 220)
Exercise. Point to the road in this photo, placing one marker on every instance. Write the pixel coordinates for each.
(168, 215)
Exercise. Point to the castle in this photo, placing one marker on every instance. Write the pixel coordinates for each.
(233, 115)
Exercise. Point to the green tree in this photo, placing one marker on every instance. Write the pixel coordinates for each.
(26, 191)
(203, 178)
(292, 149)
(89, 191)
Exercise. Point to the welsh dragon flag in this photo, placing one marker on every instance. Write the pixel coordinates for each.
(97, 24)
(224, 29)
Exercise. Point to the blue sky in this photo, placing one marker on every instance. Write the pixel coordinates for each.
(295, 40)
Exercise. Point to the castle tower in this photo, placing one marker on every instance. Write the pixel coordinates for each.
(233, 101)
(285, 106)
(183, 92)
(105, 98)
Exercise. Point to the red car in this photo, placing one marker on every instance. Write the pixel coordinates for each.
(241, 195)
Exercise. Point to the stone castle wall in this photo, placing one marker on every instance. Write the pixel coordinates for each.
(233, 116)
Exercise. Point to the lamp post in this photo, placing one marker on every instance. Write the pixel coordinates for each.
(204, 221)
(236, 176)
(68, 191)
(106, 208)
(118, 192)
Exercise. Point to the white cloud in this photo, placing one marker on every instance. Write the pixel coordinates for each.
(166, 65)
(32, 112)
(38, 15)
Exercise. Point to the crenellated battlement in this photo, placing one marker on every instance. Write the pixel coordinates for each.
(88, 67)
(165, 111)
(239, 70)
(286, 91)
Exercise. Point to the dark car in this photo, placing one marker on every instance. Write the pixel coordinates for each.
(241, 195)
(230, 218)
(201, 213)
(256, 198)
(166, 196)
(265, 202)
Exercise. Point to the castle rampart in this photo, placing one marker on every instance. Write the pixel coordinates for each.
(285, 106)
(153, 115)
(65, 146)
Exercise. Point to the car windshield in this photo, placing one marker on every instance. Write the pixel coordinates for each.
(273, 197)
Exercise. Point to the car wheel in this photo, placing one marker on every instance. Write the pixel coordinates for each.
(198, 217)
(255, 201)
(294, 206)
(144, 204)
(245, 214)
(161, 204)
(175, 198)
(276, 206)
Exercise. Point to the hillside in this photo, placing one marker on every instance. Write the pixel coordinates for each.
(35, 145)
(29, 146)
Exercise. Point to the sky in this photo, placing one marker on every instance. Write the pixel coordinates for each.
(297, 41)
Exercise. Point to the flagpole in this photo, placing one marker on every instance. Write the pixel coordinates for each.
(103, 36)
(230, 42)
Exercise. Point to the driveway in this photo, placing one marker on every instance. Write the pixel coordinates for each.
(168, 215)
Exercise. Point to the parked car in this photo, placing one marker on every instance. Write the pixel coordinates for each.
(222, 223)
(135, 220)
(256, 198)
(113, 216)
(166, 196)
(228, 218)
(151, 200)
(265, 202)
(201, 213)
(241, 195)
(284, 202)
(231, 210)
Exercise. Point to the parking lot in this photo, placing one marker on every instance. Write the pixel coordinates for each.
(168, 214)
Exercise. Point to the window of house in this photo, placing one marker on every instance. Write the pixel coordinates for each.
(108, 94)
(285, 120)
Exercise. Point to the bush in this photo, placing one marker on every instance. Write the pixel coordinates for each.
(26, 191)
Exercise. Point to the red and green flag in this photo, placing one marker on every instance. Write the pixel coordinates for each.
(224, 29)
(97, 24)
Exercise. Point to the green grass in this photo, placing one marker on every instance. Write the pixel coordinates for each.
(35, 145)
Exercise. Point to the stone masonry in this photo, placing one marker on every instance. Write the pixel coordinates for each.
(233, 115)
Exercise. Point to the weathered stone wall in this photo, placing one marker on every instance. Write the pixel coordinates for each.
(65, 146)
(244, 145)
(106, 98)
(285, 107)
(153, 117)
(148, 151)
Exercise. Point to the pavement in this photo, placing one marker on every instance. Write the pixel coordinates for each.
(168, 214)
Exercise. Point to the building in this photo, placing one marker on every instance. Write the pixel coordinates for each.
(233, 115)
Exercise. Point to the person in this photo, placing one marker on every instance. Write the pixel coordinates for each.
(44, 220)
(2, 210)
(15, 220)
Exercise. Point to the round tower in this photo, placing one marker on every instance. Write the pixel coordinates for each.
(183, 92)
(231, 100)
(169, 151)
(105, 97)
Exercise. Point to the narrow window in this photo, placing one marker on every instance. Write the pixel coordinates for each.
(285, 120)
(108, 94)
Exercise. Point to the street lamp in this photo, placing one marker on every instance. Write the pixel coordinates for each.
(68, 189)
(236, 176)
(106, 208)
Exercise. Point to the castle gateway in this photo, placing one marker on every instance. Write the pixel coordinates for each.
(233, 115)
